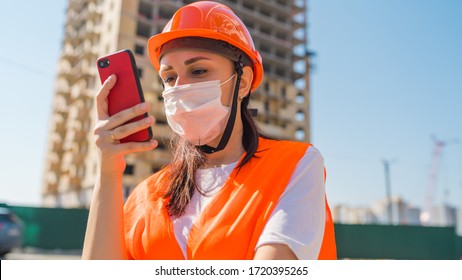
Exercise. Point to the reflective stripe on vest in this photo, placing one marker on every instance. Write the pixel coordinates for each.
(230, 225)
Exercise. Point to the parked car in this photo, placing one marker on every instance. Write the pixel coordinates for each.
(11, 230)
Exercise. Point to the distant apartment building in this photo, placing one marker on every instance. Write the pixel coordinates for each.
(344, 214)
(95, 28)
(402, 213)
(443, 215)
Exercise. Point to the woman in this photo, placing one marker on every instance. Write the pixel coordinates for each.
(229, 193)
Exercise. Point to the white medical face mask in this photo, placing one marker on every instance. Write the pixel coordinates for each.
(194, 111)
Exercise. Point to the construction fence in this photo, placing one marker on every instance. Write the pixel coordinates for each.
(64, 229)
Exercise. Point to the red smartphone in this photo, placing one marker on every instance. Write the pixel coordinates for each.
(127, 91)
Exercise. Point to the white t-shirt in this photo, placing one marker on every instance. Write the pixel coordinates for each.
(298, 219)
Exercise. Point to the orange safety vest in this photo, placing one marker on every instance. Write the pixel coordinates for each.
(230, 225)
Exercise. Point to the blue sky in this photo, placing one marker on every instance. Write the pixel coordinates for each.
(386, 76)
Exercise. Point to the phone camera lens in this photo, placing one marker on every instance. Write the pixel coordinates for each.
(103, 63)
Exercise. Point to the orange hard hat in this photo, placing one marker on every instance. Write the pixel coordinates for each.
(211, 20)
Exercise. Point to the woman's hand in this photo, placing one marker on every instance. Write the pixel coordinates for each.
(104, 237)
(109, 129)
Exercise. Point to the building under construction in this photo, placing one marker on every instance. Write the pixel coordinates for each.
(95, 28)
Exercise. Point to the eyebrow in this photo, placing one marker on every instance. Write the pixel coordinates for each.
(195, 59)
(188, 62)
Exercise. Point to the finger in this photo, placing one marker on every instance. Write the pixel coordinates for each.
(128, 114)
(133, 147)
(112, 138)
(101, 97)
(131, 128)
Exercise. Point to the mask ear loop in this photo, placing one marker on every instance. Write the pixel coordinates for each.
(232, 116)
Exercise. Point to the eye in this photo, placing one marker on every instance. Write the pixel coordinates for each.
(169, 79)
(199, 72)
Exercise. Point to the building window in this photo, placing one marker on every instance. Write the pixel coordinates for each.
(249, 5)
(281, 36)
(300, 134)
(248, 23)
(265, 30)
(267, 67)
(281, 18)
(267, 106)
(161, 122)
(281, 54)
(266, 12)
(145, 10)
(284, 100)
(300, 116)
(300, 98)
(265, 49)
(165, 14)
(161, 145)
(283, 92)
(126, 191)
(139, 49)
(155, 169)
(281, 72)
(129, 169)
(143, 29)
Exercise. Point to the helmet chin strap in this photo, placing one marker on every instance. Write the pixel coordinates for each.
(232, 116)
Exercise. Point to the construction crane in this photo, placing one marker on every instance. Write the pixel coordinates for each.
(389, 204)
(438, 145)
